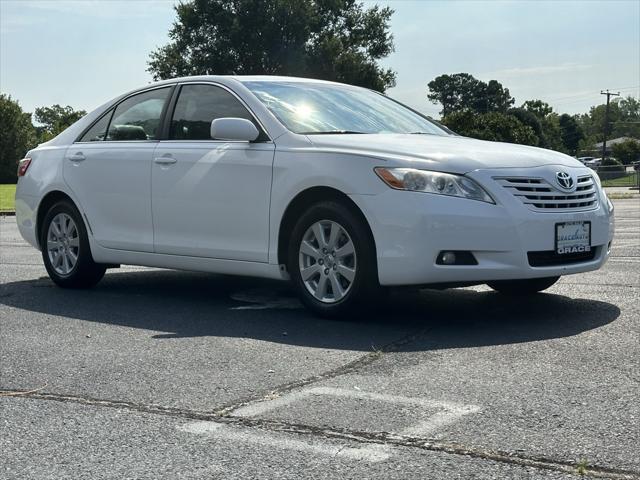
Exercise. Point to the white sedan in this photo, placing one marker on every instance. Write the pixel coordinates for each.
(340, 189)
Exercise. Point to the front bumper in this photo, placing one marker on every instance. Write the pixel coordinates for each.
(410, 230)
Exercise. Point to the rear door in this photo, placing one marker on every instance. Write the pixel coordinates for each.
(109, 170)
(211, 197)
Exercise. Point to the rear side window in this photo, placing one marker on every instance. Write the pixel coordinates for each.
(138, 117)
(98, 131)
(198, 106)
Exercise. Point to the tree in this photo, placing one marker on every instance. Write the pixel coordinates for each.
(549, 132)
(539, 108)
(494, 126)
(327, 39)
(55, 119)
(531, 120)
(570, 133)
(627, 152)
(17, 136)
(462, 91)
(494, 98)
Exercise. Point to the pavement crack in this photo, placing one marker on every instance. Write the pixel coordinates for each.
(517, 458)
(344, 369)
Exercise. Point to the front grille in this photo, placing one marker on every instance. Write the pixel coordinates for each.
(541, 196)
(550, 258)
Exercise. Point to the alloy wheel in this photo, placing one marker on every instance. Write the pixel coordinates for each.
(327, 261)
(63, 244)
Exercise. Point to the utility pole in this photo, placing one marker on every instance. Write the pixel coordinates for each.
(606, 121)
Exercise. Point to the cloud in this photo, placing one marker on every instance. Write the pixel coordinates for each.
(536, 71)
(38, 9)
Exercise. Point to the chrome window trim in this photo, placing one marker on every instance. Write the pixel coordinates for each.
(113, 107)
(242, 102)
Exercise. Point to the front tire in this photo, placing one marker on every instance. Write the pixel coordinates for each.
(65, 248)
(523, 287)
(332, 260)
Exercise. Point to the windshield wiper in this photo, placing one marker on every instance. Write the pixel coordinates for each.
(332, 132)
(421, 133)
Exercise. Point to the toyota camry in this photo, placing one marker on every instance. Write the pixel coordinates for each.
(339, 189)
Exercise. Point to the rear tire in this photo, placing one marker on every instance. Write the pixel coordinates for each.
(330, 280)
(65, 248)
(523, 287)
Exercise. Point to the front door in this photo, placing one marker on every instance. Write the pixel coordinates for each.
(210, 197)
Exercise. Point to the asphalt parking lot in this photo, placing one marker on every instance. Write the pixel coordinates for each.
(162, 374)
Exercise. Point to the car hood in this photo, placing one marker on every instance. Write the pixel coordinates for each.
(452, 154)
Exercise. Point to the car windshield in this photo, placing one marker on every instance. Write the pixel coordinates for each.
(319, 108)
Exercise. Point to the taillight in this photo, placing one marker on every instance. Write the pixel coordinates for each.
(23, 165)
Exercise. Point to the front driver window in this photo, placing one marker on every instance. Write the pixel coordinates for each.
(198, 106)
(138, 117)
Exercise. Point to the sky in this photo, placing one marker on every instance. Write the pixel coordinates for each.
(85, 52)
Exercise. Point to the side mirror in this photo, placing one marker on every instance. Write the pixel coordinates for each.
(238, 129)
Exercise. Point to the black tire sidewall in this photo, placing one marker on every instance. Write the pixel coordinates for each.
(86, 273)
(365, 280)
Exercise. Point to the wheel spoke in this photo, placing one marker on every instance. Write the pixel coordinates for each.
(318, 231)
(321, 291)
(334, 234)
(56, 228)
(346, 272)
(309, 272)
(338, 292)
(65, 262)
(73, 257)
(345, 250)
(74, 242)
(52, 245)
(308, 249)
(57, 260)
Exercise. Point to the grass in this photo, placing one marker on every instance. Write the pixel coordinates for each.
(582, 467)
(7, 194)
(629, 180)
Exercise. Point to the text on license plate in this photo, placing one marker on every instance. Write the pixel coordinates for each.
(573, 237)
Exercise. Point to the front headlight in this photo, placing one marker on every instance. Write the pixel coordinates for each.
(603, 193)
(432, 182)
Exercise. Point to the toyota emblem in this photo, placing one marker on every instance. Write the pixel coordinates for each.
(564, 180)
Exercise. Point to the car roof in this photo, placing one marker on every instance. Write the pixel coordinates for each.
(225, 79)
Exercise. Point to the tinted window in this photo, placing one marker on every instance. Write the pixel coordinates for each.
(138, 117)
(198, 106)
(99, 129)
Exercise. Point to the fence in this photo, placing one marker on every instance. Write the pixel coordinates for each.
(618, 176)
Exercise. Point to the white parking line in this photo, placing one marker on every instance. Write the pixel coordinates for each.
(447, 413)
(371, 453)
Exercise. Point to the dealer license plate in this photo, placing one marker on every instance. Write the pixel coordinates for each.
(573, 237)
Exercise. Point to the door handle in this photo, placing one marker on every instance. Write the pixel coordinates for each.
(77, 157)
(164, 160)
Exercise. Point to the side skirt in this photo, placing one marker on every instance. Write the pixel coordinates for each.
(179, 262)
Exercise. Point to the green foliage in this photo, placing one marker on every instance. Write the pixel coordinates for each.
(494, 126)
(627, 152)
(55, 119)
(571, 133)
(539, 108)
(462, 91)
(17, 136)
(328, 39)
(624, 119)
